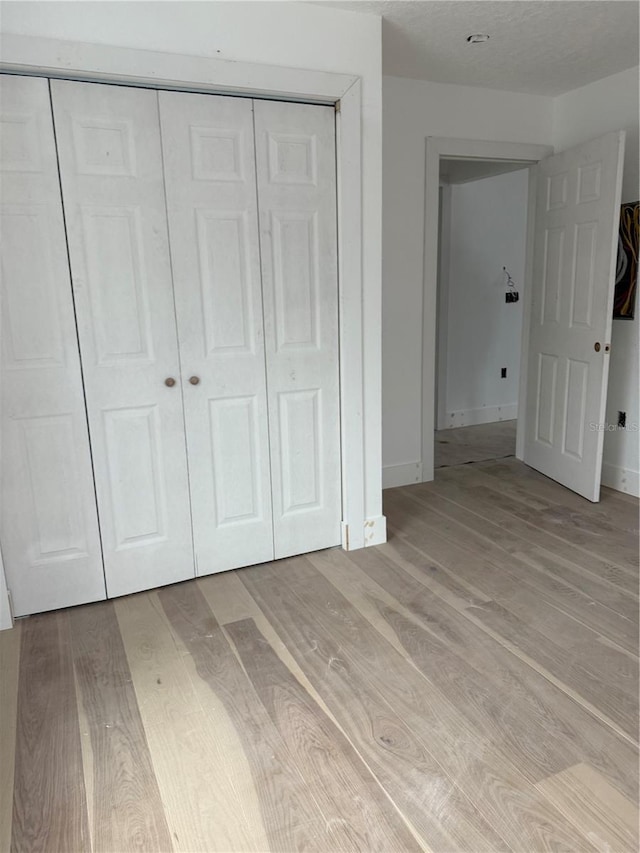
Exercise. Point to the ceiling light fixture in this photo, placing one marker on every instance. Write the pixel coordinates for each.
(478, 38)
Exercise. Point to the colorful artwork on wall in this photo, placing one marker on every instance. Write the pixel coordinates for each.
(627, 266)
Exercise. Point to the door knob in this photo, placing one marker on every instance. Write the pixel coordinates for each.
(170, 381)
(596, 346)
(194, 380)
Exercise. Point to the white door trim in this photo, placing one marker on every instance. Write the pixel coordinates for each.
(442, 306)
(105, 63)
(464, 149)
(136, 67)
(6, 613)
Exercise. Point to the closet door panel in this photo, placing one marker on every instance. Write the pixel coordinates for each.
(48, 520)
(211, 201)
(113, 192)
(295, 146)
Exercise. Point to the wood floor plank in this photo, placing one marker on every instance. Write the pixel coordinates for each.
(86, 747)
(600, 656)
(611, 512)
(619, 706)
(501, 538)
(453, 491)
(347, 794)
(290, 816)
(401, 551)
(605, 663)
(196, 755)
(601, 666)
(525, 537)
(431, 802)
(523, 706)
(509, 573)
(497, 789)
(439, 577)
(49, 804)
(609, 819)
(128, 813)
(574, 528)
(229, 601)
(561, 627)
(611, 666)
(9, 673)
(570, 729)
(508, 718)
(585, 527)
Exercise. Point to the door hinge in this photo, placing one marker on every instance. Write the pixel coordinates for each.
(337, 106)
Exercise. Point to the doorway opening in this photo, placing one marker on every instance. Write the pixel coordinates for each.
(467, 159)
(573, 210)
(482, 243)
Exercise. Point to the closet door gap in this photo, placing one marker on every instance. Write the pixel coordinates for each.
(264, 337)
(180, 377)
(75, 320)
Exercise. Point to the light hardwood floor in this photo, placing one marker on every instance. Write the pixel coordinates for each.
(475, 443)
(472, 685)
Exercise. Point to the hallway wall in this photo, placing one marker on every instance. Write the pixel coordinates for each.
(483, 333)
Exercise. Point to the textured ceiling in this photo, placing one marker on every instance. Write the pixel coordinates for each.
(544, 47)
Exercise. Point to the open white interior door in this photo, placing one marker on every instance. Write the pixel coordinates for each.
(574, 256)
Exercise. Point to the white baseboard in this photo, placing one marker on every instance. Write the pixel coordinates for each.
(621, 479)
(483, 415)
(401, 475)
(375, 531)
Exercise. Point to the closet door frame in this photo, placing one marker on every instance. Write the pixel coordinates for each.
(362, 520)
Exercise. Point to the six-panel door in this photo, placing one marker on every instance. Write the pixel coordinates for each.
(576, 235)
(209, 159)
(48, 519)
(296, 165)
(113, 190)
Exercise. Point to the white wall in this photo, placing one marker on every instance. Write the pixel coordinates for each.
(297, 35)
(413, 110)
(583, 114)
(487, 231)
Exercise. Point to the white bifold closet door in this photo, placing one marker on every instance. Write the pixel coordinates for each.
(48, 519)
(209, 160)
(296, 167)
(262, 433)
(113, 191)
(201, 234)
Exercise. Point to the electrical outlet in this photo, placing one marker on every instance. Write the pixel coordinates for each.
(503, 372)
(622, 419)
